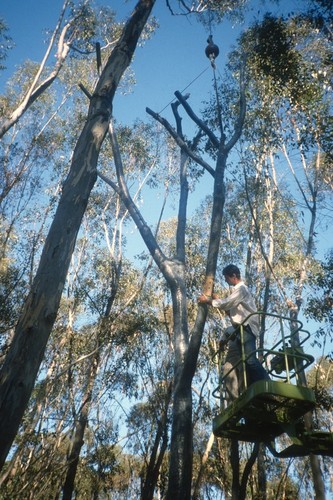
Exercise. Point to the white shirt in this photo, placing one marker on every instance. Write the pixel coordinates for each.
(240, 304)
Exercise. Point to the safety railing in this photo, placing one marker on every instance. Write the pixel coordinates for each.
(285, 360)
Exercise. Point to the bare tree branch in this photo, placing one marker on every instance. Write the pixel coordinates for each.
(201, 124)
(181, 143)
(34, 92)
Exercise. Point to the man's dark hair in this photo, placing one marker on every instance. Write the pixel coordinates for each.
(231, 270)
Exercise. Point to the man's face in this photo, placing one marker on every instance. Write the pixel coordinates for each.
(231, 280)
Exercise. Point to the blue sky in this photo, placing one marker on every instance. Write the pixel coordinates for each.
(174, 59)
(170, 61)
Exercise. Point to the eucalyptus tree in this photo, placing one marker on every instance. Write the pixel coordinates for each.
(6, 43)
(22, 362)
(297, 119)
(149, 420)
(36, 88)
(112, 292)
(319, 304)
(86, 367)
(73, 35)
(206, 375)
(92, 288)
(34, 153)
(37, 115)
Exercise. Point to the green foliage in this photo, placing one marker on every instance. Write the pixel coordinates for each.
(11, 288)
(320, 379)
(91, 25)
(288, 58)
(275, 53)
(6, 43)
(320, 304)
(210, 11)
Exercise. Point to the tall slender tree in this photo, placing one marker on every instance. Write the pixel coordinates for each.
(19, 371)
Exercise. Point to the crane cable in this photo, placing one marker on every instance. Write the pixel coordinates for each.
(212, 51)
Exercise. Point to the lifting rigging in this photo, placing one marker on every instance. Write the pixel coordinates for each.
(212, 51)
(268, 409)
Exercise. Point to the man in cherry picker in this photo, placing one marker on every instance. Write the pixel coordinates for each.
(239, 305)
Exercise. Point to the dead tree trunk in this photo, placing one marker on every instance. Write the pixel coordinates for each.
(24, 357)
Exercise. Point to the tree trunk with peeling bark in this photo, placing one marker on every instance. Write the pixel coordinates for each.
(20, 369)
